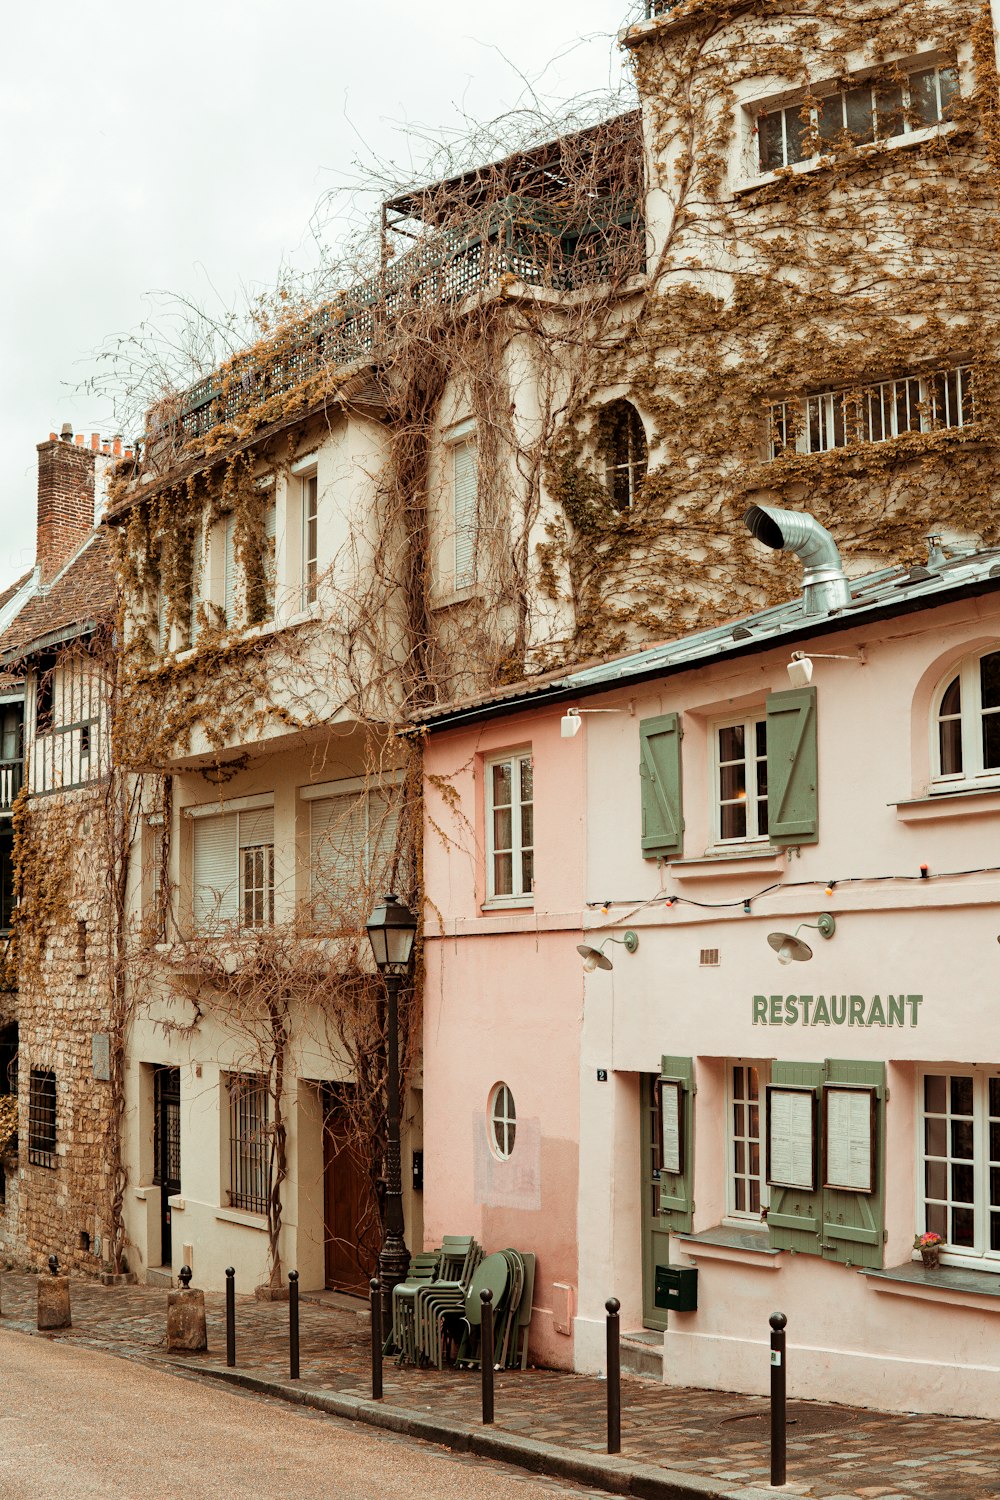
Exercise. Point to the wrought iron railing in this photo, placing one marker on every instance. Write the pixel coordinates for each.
(659, 7)
(520, 238)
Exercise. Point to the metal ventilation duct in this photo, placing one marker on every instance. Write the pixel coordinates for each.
(824, 584)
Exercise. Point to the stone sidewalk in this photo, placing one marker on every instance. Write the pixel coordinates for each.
(675, 1443)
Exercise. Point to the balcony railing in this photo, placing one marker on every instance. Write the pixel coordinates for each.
(11, 779)
(520, 237)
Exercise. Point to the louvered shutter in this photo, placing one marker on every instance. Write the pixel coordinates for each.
(792, 801)
(465, 485)
(337, 854)
(660, 782)
(216, 896)
(197, 578)
(229, 569)
(270, 554)
(383, 825)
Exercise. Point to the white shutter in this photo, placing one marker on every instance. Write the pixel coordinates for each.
(270, 556)
(216, 895)
(337, 853)
(465, 490)
(383, 826)
(229, 569)
(162, 628)
(197, 578)
(256, 827)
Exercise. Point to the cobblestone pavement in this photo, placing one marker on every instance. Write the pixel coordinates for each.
(834, 1452)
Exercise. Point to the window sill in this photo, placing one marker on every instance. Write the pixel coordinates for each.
(743, 1247)
(727, 863)
(449, 598)
(962, 1288)
(508, 903)
(969, 802)
(241, 1216)
(831, 159)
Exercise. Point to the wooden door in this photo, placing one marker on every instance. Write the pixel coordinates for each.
(351, 1231)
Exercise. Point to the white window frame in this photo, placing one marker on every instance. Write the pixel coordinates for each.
(502, 1111)
(746, 1218)
(236, 808)
(757, 110)
(518, 895)
(748, 722)
(309, 552)
(978, 1256)
(973, 772)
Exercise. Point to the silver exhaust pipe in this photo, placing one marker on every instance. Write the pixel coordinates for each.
(824, 584)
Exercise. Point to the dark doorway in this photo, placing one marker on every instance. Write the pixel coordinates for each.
(166, 1148)
(350, 1215)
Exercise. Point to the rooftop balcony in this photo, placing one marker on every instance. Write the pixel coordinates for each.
(527, 240)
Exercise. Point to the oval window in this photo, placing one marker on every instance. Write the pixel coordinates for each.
(503, 1121)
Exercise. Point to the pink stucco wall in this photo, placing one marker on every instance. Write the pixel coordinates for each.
(502, 1003)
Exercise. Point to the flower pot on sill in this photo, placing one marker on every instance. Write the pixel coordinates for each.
(931, 1256)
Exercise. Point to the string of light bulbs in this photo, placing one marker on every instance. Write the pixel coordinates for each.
(663, 898)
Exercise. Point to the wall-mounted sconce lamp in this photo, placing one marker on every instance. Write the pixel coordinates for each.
(800, 668)
(790, 946)
(571, 722)
(596, 958)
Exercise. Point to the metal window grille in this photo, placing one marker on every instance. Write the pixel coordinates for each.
(872, 413)
(42, 1118)
(248, 1142)
(709, 958)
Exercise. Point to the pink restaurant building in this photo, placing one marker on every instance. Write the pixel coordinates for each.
(792, 1067)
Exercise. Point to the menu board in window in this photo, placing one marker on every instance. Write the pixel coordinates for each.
(672, 1124)
(849, 1139)
(791, 1137)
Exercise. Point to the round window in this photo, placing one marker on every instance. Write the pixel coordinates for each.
(503, 1121)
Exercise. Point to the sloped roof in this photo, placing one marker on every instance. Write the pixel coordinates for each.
(877, 596)
(12, 589)
(79, 598)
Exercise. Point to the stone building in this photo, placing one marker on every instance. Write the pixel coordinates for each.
(54, 784)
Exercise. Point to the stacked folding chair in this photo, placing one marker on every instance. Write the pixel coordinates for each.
(423, 1268)
(443, 1299)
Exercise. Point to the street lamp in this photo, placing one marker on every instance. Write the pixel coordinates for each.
(391, 930)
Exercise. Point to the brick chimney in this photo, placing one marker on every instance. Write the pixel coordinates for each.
(65, 501)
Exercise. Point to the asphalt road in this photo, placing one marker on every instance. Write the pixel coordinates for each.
(76, 1423)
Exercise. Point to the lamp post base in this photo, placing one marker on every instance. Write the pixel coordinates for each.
(393, 1264)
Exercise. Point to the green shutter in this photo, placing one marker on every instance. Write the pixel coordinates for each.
(853, 1223)
(794, 1218)
(792, 811)
(660, 779)
(676, 1189)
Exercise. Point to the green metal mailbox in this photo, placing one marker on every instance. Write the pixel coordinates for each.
(676, 1288)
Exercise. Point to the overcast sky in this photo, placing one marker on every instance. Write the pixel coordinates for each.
(184, 149)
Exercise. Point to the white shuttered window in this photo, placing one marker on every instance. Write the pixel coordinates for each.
(234, 870)
(465, 495)
(229, 569)
(352, 840)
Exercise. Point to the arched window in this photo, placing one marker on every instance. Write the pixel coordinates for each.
(967, 722)
(622, 441)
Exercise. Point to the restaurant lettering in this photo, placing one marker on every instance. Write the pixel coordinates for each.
(836, 1010)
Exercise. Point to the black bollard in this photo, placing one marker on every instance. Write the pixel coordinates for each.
(486, 1354)
(231, 1316)
(376, 1303)
(614, 1376)
(184, 1276)
(293, 1324)
(778, 1390)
